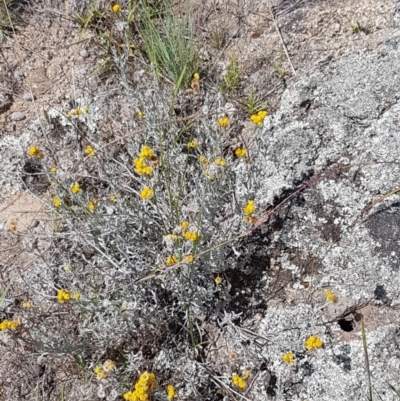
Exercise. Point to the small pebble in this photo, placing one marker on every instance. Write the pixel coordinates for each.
(18, 116)
(28, 97)
(84, 53)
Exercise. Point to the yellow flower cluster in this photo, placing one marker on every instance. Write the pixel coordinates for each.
(191, 236)
(78, 112)
(146, 193)
(192, 144)
(140, 114)
(112, 198)
(238, 381)
(203, 160)
(146, 152)
(53, 169)
(258, 118)
(9, 325)
(218, 279)
(90, 151)
(249, 209)
(102, 371)
(56, 201)
(330, 296)
(223, 122)
(184, 225)
(145, 384)
(141, 167)
(92, 205)
(12, 226)
(171, 393)
(171, 260)
(75, 188)
(313, 342)
(241, 152)
(288, 358)
(34, 151)
(220, 161)
(65, 295)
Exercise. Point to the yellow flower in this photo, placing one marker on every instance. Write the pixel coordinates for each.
(75, 188)
(77, 296)
(116, 8)
(145, 384)
(78, 112)
(330, 296)
(112, 198)
(288, 358)
(12, 226)
(192, 144)
(258, 118)
(171, 260)
(184, 225)
(188, 259)
(56, 201)
(63, 296)
(146, 152)
(90, 151)
(26, 305)
(67, 268)
(249, 209)
(238, 381)
(223, 122)
(86, 109)
(146, 193)
(196, 75)
(92, 205)
(191, 236)
(9, 325)
(53, 182)
(241, 152)
(218, 280)
(34, 151)
(313, 342)
(140, 114)
(171, 393)
(109, 365)
(141, 167)
(71, 113)
(219, 161)
(53, 169)
(99, 372)
(203, 160)
(173, 237)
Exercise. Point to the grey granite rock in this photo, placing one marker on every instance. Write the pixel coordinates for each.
(340, 234)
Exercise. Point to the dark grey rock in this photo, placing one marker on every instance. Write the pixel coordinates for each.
(5, 102)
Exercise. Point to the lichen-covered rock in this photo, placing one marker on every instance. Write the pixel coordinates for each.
(341, 234)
